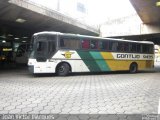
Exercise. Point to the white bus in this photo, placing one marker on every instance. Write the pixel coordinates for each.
(61, 53)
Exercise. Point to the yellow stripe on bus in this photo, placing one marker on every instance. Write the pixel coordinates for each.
(124, 64)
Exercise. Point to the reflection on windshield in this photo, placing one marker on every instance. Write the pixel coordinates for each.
(43, 46)
(40, 46)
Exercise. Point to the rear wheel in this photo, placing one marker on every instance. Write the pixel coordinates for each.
(133, 68)
(62, 69)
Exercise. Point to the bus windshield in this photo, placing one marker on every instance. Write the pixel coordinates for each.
(43, 47)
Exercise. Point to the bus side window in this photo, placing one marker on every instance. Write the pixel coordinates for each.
(144, 48)
(123, 47)
(147, 49)
(94, 44)
(132, 47)
(69, 43)
(103, 45)
(139, 48)
(151, 49)
(120, 47)
(85, 44)
(113, 46)
(126, 47)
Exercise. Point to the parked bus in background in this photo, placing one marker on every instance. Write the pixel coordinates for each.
(61, 53)
(157, 53)
(5, 53)
(21, 54)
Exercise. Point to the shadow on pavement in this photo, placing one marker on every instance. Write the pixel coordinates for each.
(9, 67)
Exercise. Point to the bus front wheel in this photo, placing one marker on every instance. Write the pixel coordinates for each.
(62, 69)
(133, 68)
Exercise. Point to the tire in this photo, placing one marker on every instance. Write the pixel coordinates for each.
(133, 68)
(62, 69)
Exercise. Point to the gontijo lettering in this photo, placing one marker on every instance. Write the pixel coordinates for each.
(134, 56)
(128, 56)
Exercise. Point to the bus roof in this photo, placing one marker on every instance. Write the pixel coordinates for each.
(87, 36)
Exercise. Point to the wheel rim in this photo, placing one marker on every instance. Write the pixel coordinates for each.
(61, 69)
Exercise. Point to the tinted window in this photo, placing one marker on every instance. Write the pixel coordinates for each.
(46, 42)
(139, 48)
(147, 48)
(126, 47)
(144, 48)
(120, 47)
(151, 49)
(132, 47)
(94, 44)
(113, 45)
(123, 47)
(41, 46)
(70, 43)
(51, 46)
(51, 37)
(104, 45)
(85, 44)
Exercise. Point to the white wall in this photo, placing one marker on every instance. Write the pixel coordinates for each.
(130, 25)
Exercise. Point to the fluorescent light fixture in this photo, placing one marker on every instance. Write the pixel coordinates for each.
(158, 4)
(20, 20)
(16, 38)
(24, 37)
(23, 41)
(3, 41)
(10, 35)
